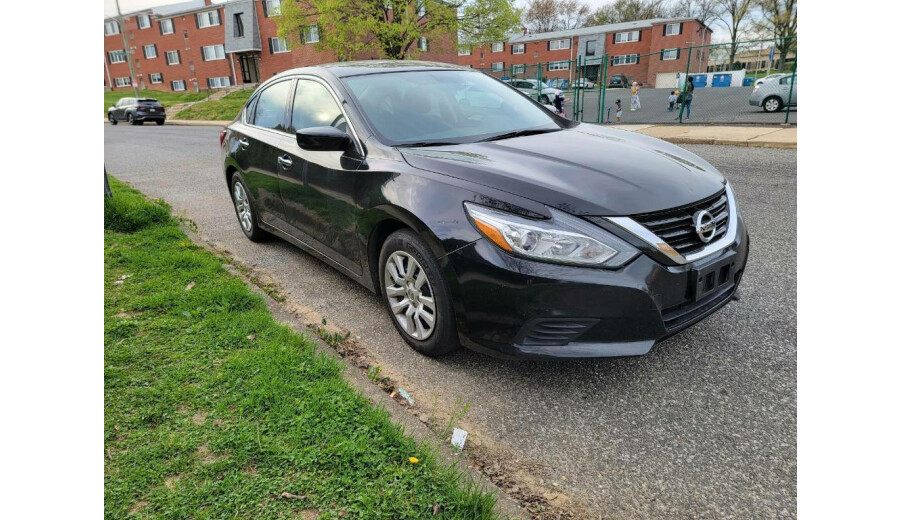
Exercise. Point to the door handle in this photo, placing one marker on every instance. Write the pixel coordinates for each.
(243, 142)
(285, 161)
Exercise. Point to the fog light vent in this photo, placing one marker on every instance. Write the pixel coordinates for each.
(555, 332)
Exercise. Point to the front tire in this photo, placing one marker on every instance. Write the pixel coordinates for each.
(773, 104)
(130, 119)
(112, 120)
(416, 295)
(245, 209)
(160, 122)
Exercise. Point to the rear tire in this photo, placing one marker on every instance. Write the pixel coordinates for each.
(772, 104)
(414, 291)
(160, 122)
(245, 209)
(544, 99)
(131, 120)
(112, 120)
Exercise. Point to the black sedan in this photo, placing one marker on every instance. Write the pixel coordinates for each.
(137, 110)
(480, 217)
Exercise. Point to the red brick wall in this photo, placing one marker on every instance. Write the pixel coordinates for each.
(692, 34)
(535, 52)
(637, 71)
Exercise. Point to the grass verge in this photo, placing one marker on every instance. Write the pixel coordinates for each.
(213, 410)
(166, 98)
(224, 109)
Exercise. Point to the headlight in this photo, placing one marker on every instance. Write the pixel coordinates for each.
(561, 239)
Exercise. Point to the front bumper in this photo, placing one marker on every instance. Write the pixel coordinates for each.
(512, 307)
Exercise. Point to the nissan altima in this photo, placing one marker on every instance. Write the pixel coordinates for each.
(481, 218)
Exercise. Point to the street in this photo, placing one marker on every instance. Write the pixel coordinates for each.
(704, 426)
(711, 105)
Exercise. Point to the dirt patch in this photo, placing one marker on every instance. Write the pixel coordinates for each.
(309, 514)
(198, 418)
(171, 481)
(206, 455)
(126, 314)
(138, 506)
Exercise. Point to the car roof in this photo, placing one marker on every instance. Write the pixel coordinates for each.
(356, 68)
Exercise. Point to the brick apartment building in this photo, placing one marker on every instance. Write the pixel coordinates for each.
(198, 45)
(646, 50)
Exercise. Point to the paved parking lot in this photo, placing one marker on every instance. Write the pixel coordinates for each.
(711, 105)
(704, 426)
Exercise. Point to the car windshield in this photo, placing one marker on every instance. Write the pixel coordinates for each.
(449, 106)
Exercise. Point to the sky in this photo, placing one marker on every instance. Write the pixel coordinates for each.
(109, 6)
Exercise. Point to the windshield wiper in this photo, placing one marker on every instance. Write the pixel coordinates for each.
(426, 143)
(520, 133)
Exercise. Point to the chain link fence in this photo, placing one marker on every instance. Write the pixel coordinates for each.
(749, 82)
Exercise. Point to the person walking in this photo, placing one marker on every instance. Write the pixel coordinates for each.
(672, 99)
(689, 96)
(635, 99)
(618, 111)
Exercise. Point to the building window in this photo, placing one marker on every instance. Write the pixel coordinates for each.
(556, 45)
(143, 21)
(630, 36)
(518, 69)
(150, 51)
(672, 29)
(669, 54)
(110, 28)
(178, 85)
(590, 48)
(311, 34)
(123, 82)
(464, 51)
(117, 56)
(497, 47)
(518, 48)
(173, 58)
(420, 8)
(277, 46)
(628, 59)
(238, 25)
(423, 43)
(272, 7)
(208, 19)
(166, 26)
(156, 78)
(497, 65)
(224, 81)
(558, 65)
(213, 52)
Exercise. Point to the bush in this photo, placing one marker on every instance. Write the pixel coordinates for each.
(128, 211)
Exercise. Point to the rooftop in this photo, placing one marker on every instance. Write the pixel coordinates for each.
(608, 28)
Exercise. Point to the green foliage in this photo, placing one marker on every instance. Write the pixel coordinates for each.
(391, 29)
(127, 211)
(224, 109)
(627, 11)
(214, 410)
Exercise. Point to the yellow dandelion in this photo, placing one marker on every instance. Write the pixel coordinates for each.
(414, 460)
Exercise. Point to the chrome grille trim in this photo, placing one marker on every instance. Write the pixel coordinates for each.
(728, 238)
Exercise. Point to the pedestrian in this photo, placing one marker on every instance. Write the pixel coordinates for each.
(672, 99)
(689, 96)
(635, 99)
(618, 111)
(558, 103)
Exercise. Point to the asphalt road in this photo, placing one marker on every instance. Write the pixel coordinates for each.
(711, 105)
(704, 426)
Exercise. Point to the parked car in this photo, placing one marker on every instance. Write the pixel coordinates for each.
(760, 81)
(560, 83)
(772, 95)
(619, 81)
(530, 87)
(479, 216)
(582, 83)
(136, 111)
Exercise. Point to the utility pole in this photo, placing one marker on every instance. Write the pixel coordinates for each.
(121, 22)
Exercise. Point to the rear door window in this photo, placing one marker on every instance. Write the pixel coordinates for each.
(271, 106)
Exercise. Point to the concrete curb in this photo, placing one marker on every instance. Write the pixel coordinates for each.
(188, 122)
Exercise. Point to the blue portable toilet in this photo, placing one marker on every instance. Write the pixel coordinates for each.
(748, 82)
(721, 80)
(699, 80)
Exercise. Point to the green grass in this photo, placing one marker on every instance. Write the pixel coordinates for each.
(166, 98)
(213, 410)
(224, 109)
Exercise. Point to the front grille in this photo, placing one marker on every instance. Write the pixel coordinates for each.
(676, 226)
(555, 332)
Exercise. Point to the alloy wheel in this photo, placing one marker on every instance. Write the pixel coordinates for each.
(410, 295)
(242, 205)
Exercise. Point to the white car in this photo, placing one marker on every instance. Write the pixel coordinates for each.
(530, 87)
(582, 83)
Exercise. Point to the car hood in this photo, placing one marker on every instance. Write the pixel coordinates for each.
(586, 170)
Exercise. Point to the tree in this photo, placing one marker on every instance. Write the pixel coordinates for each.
(779, 18)
(555, 15)
(704, 10)
(628, 11)
(732, 14)
(392, 28)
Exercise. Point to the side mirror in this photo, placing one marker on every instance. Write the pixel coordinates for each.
(323, 139)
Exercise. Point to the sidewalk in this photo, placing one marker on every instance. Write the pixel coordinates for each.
(759, 136)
